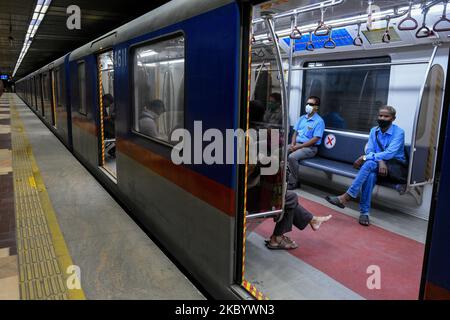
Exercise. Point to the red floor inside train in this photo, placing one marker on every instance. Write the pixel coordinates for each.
(344, 250)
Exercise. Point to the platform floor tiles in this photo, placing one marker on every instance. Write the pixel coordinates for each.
(116, 259)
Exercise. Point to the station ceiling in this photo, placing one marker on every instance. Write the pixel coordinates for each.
(53, 39)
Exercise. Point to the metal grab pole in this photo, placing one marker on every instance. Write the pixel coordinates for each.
(284, 108)
(290, 57)
(416, 117)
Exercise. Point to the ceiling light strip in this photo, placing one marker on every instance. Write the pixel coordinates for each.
(38, 15)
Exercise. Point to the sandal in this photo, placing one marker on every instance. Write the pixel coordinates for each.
(364, 220)
(267, 241)
(284, 244)
(335, 201)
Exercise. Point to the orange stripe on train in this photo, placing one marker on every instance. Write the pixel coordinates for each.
(208, 190)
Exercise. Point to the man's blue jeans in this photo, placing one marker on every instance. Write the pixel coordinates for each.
(365, 182)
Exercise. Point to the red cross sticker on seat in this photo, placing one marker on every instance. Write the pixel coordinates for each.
(330, 141)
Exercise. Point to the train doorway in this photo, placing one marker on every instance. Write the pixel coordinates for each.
(343, 71)
(53, 97)
(106, 113)
(43, 94)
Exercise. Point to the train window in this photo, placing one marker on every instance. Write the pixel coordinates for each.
(158, 74)
(350, 96)
(82, 88)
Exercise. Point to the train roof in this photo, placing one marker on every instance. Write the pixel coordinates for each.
(163, 16)
(170, 13)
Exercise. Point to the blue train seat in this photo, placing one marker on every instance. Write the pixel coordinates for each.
(338, 152)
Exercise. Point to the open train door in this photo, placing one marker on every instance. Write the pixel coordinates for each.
(53, 96)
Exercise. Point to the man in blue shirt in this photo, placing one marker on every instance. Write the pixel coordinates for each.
(306, 140)
(386, 142)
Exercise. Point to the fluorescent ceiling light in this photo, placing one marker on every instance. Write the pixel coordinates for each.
(38, 15)
(148, 53)
(172, 61)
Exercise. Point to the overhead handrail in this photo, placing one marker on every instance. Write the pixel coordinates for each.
(304, 9)
(358, 41)
(442, 19)
(284, 109)
(310, 44)
(322, 29)
(386, 36)
(424, 31)
(330, 43)
(392, 15)
(296, 33)
(408, 18)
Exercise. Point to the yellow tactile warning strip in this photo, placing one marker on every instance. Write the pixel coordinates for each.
(42, 251)
(254, 291)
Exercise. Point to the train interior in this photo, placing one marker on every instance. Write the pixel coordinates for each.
(356, 57)
(107, 137)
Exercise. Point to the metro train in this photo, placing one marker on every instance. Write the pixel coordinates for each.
(190, 61)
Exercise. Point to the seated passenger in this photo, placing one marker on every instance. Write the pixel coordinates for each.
(296, 215)
(274, 114)
(386, 142)
(108, 106)
(305, 140)
(108, 115)
(149, 117)
(254, 201)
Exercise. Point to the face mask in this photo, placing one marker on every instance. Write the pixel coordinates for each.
(272, 105)
(309, 109)
(384, 123)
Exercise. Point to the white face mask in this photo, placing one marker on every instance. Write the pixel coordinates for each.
(309, 109)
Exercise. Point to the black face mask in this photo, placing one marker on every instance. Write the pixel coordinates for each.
(384, 123)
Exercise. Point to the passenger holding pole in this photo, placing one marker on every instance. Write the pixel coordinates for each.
(384, 156)
(305, 141)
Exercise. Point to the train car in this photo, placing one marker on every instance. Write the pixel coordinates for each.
(202, 65)
(46, 93)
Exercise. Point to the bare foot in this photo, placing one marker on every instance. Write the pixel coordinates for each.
(317, 221)
(344, 198)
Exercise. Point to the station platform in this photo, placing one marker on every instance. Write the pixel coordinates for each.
(62, 236)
